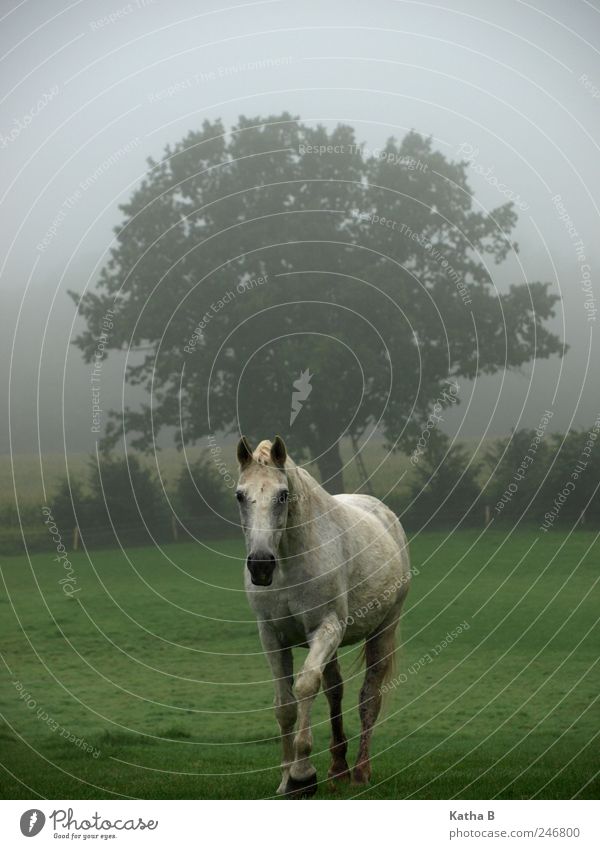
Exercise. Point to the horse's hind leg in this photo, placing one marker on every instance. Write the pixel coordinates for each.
(379, 658)
(334, 690)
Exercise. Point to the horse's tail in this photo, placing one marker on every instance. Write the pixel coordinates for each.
(360, 660)
(389, 678)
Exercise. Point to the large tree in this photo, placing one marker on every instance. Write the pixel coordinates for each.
(281, 254)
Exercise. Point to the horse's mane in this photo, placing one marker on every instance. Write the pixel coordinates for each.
(262, 453)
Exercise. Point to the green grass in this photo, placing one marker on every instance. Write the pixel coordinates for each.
(157, 666)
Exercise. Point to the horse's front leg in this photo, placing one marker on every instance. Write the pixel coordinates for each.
(282, 668)
(323, 644)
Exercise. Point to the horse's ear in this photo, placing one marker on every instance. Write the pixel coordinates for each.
(278, 452)
(244, 452)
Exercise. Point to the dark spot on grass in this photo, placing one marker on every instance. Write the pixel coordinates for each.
(8, 736)
(175, 734)
(123, 738)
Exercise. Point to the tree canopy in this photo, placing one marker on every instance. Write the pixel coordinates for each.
(248, 258)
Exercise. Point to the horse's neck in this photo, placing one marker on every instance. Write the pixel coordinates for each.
(309, 502)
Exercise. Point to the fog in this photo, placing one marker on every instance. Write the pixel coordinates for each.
(90, 90)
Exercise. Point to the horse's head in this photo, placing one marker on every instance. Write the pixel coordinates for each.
(262, 493)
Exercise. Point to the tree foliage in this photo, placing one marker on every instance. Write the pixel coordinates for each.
(119, 493)
(246, 258)
(443, 488)
(518, 465)
(201, 494)
(555, 484)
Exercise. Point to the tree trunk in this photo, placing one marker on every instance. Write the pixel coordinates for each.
(330, 469)
(362, 469)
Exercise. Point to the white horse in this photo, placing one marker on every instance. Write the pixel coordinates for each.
(323, 571)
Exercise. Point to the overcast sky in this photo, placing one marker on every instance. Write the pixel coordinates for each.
(104, 84)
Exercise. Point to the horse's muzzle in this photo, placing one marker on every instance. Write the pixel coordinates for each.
(261, 567)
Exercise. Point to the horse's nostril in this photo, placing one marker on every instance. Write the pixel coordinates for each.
(261, 557)
(261, 566)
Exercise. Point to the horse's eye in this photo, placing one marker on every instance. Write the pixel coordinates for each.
(239, 495)
(283, 496)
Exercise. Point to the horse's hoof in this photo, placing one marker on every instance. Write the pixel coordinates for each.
(360, 777)
(301, 788)
(339, 775)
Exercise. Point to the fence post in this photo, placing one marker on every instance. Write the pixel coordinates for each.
(75, 537)
(488, 517)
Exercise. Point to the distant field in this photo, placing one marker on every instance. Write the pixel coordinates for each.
(169, 462)
(157, 666)
(386, 471)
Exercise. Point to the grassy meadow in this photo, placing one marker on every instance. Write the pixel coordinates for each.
(150, 681)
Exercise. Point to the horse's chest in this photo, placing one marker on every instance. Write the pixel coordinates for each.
(284, 612)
